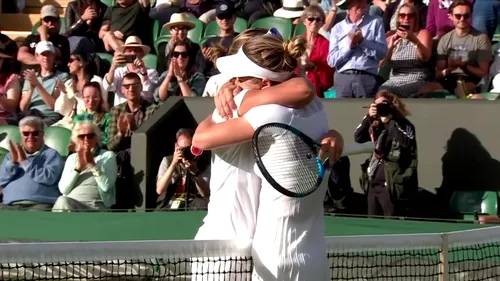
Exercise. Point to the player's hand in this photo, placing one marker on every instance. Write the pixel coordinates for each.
(332, 146)
(224, 100)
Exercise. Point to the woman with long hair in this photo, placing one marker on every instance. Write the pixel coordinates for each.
(70, 102)
(288, 239)
(181, 78)
(390, 175)
(96, 110)
(10, 87)
(408, 54)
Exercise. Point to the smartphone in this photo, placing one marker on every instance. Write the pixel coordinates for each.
(404, 26)
(130, 58)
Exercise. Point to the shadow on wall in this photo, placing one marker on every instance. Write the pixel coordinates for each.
(467, 165)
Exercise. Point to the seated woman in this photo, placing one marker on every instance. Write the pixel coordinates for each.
(10, 87)
(89, 175)
(408, 52)
(314, 63)
(84, 19)
(180, 79)
(70, 102)
(96, 110)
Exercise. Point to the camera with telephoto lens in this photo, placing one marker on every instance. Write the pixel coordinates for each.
(384, 109)
(186, 154)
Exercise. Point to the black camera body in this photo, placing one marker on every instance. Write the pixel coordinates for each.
(384, 109)
(186, 154)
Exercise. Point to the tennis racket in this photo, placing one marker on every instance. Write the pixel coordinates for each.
(288, 159)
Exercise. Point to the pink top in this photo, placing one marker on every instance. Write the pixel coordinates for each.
(3, 94)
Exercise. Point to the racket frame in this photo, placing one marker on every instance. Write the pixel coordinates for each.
(314, 153)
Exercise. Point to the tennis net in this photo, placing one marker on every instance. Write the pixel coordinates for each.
(472, 255)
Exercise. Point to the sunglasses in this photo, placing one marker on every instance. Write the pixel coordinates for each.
(32, 133)
(179, 54)
(71, 60)
(312, 19)
(128, 86)
(407, 15)
(460, 16)
(86, 136)
(50, 19)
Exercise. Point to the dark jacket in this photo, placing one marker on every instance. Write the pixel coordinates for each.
(78, 27)
(400, 155)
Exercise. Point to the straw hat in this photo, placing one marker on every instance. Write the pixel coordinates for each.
(135, 42)
(342, 4)
(291, 9)
(179, 19)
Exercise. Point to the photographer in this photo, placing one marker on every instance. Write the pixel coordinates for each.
(182, 176)
(389, 177)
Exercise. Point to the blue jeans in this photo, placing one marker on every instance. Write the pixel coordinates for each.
(485, 16)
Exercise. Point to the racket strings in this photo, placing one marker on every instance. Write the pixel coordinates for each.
(288, 160)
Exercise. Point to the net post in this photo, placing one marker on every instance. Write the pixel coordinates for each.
(443, 258)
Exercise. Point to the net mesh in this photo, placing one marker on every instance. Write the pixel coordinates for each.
(468, 255)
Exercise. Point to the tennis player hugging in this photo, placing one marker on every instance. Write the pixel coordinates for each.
(288, 233)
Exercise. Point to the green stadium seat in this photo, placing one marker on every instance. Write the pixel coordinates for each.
(300, 29)
(212, 29)
(283, 25)
(496, 36)
(194, 34)
(204, 39)
(9, 132)
(58, 138)
(108, 3)
(34, 30)
(156, 30)
(160, 40)
(105, 57)
(489, 96)
(150, 61)
(3, 153)
(469, 203)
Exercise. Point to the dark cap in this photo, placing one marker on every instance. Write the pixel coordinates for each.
(224, 10)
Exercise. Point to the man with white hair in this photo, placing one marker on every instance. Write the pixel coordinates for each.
(31, 171)
(40, 89)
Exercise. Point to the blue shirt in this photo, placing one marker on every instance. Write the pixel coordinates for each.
(49, 84)
(367, 55)
(35, 179)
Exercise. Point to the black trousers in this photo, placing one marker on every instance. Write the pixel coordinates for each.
(380, 202)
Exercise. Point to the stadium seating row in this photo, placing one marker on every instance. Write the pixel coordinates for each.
(57, 138)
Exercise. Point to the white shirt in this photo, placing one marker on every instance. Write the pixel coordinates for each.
(214, 84)
(148, 86)
(289, 236)
(234, 191)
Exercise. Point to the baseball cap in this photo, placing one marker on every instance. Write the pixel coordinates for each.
(224, 10)
(44, 46)
(49, 11)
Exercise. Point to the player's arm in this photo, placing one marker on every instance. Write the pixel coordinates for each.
(210, 135)
(296, 92)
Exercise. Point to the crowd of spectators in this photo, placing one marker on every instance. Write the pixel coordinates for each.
(56, 79)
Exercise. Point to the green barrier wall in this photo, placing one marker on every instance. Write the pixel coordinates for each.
(45, 226)
(457, 142)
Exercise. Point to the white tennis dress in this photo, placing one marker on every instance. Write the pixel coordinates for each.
(232, 211)
(289, 243)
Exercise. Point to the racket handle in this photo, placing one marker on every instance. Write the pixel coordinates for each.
(196, 151)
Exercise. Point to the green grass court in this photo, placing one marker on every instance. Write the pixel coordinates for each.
(46, 226)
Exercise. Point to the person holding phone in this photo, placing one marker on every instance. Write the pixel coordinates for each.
(183, 180)
(408, 54)
(129, 58)
(390, 175)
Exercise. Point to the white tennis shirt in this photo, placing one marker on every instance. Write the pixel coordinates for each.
(289, 239)
(234, 191)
